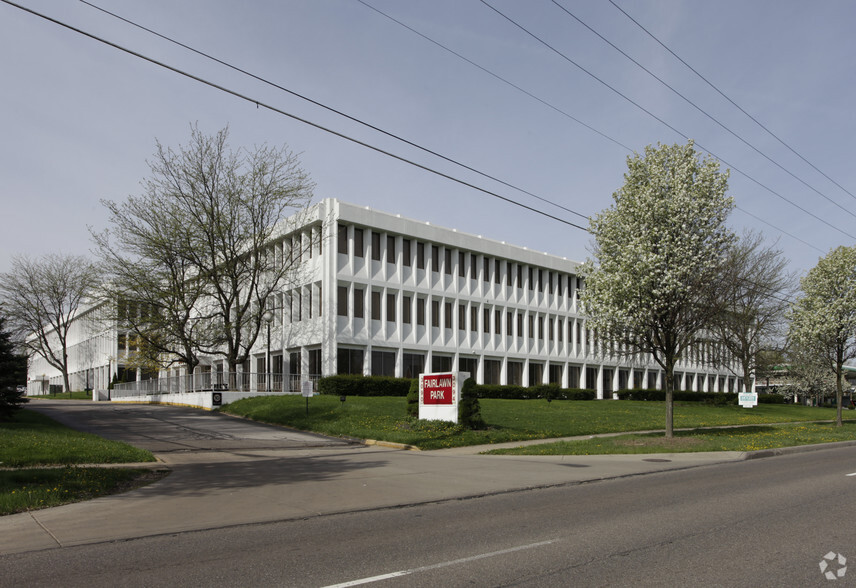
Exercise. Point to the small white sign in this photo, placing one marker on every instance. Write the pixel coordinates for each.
(747, 399)
(306, 388)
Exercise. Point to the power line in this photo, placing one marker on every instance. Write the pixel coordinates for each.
(704, 112)
(544, 102)
(266, 106)
(654, 116)
(721, 93)
(331, 109)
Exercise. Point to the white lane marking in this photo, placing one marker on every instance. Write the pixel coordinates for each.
(438, 565)
(851, 475)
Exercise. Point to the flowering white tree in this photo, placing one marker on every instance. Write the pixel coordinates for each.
(657, 257)
(823, 319)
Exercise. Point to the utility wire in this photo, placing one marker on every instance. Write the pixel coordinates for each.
(737, 106)
(331, 109)
(705, 113)
(654, 116)
(260, 104)
(544, 102)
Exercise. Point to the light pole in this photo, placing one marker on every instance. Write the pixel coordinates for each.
(267, 316)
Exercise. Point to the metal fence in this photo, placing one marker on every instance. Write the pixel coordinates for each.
(217, 382)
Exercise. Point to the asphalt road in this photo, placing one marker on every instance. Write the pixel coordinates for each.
(766, 522)
(753, 523)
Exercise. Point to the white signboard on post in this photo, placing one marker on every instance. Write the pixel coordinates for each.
(439, 395)
(747, 399)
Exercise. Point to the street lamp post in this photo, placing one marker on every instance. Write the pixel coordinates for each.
(268, 317)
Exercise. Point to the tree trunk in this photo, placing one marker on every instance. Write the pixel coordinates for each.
(670, 417)
(839, 373)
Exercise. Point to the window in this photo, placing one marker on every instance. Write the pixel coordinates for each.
(405, 310)
(469, 365)
(420, 255)
(358, 303)
(441, 363)
(519, 276)
(342, 301)
(531, 326)
(383, 363)
(390, 249)
(531, 278)
(299, 305)
(405, 252)
(492, 370)
(519, 324)
(497, 322)
(474, 318)
(375, 246)
(390, 308)
(536, 373)
(561, 329)
(541, 328)
(413, 364)
(358, 243)
(435, 258)
(375, 305)
(497, 271)
(420, 311)
(435, 313)
(448, 315)
(554, 374)
(486, 272)
(509, 323)
(314, 362)
(343, 239)
(515, 373)
(448, 259)
(474, 268)
(552, 330)
(550, 282)
(462, 317)
(462, 270)
(541, 281)
(349, 361)
(486, 320)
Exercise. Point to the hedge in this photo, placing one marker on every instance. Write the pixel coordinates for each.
(364, 386)
(550, 392)
(706, 397)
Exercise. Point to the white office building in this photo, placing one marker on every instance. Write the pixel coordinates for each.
(379, 294)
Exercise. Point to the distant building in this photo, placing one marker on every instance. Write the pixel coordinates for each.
(379, 294)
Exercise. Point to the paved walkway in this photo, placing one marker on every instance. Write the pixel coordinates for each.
(263, 474)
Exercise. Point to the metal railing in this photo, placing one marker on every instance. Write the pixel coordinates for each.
(217, 382)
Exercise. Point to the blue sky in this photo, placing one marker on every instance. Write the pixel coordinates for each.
(79, 119)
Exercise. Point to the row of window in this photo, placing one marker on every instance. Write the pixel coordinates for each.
(442, 312)
(515, 274)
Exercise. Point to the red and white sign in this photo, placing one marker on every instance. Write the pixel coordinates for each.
(438, 389)
(439, 395)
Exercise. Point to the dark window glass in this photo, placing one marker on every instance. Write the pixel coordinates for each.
(448, 259)
(390, 249)
(343, 239)
(405, 310)
(359, 250)
(435, 313)
(448, 316)
(383, 363)
(413, 364)
(405, 252)
(435, 258)
(375, 305)
(349, 361)
(390, 308)
(342, 301)
(462, 270)
(358, 303)
(420, 256)
(375, 245)
(420, 311)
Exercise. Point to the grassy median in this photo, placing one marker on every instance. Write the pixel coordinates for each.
(383, 418)
(39, 464)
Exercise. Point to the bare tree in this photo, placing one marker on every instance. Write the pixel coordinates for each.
(194, 249)
(42, 297)
(754, 298)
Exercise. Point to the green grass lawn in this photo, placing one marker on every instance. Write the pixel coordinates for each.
(744, 438)
(31, 440)
(383, 418)
(73, 395)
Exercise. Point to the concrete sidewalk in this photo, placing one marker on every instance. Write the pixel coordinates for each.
(211, 489)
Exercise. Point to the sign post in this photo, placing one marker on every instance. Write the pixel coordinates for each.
(306, 392)
(439, 395)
